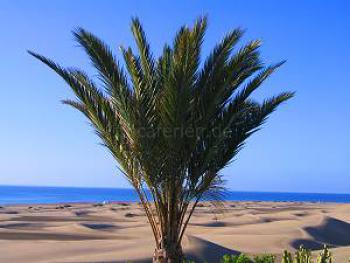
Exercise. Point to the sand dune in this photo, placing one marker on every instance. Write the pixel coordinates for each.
(89, 233)
(331, 231)
(201, 250)
(11, 235)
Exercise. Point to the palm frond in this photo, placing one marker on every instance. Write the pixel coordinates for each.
(147, 60)
(144, 112)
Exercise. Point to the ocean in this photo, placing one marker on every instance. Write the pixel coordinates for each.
(46, 195)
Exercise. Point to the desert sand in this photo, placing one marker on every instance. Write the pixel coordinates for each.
(118, 232)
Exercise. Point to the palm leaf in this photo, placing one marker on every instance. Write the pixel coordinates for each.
(143, 113)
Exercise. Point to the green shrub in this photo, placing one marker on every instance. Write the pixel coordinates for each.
(265, 258)
(287, 257)
(325, 256)
(242, 258)
(303, 255)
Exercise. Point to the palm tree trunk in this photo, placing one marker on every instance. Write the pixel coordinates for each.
(171, 253)
(169, 249)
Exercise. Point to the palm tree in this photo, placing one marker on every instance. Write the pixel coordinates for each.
(172, 123)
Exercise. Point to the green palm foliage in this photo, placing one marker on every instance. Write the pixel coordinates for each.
(172, 122)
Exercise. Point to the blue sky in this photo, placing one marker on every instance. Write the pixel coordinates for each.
(304, 147)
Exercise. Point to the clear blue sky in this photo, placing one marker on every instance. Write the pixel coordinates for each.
(304, 147)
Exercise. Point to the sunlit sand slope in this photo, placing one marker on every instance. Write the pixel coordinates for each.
(119, 232)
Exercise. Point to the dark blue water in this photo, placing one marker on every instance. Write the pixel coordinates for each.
(43, 195)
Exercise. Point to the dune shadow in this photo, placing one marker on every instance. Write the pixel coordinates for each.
(47, 236)
(205, 251)
(306, 243)
(200, 251)
(10, 212)
(301, 214)
(16, 225)
(144, 260)
(210, 224)
(99, 226)
(46, 218)
(332, 231)
(116, 261)
(81, 212)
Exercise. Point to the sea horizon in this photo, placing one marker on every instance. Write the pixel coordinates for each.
(19, 194)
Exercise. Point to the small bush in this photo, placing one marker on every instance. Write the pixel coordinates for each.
(303, 255)
(287, 257)
(242, 258)
(266, 258)
(325, 256)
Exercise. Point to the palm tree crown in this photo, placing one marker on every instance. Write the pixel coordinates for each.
(172, 123)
